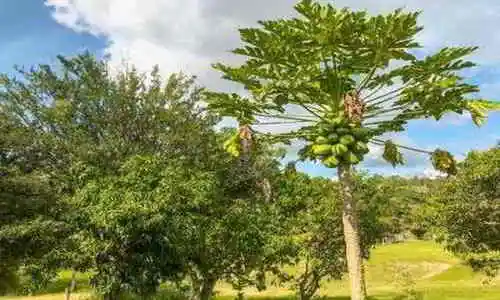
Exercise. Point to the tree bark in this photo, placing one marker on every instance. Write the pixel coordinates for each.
(71, 286)
(350, 220)
(203, 287)
(246, 143)
(207, 289)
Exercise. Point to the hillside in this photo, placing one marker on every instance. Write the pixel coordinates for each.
(417, 266)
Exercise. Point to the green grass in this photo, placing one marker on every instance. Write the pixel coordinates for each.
(434, 273)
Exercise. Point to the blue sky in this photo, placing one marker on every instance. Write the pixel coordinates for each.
(188, 35)
(33, 36)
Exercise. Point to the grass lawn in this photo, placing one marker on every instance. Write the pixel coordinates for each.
(421, 266)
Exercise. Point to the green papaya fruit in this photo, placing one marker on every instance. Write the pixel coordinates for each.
(351, 158)
(339, 149)
(347, 139)
(333, 138)
(321, 140)
(361, 147)
(321, 149)
(233, 150)
(331, 116)
(323, 129)
(331, 162)
(227, 143)
(343, 131)
(361, 133)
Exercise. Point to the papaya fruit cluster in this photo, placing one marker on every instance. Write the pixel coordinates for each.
(233, 145)
(338, 142)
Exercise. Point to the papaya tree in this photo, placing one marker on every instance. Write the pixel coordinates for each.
(349, 79)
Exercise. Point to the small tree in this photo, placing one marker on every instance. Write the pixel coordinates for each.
(354, 77)
(312, 223)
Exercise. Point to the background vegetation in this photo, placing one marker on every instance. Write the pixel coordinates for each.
(119, 185)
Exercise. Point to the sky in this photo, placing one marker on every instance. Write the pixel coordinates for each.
(189, 35)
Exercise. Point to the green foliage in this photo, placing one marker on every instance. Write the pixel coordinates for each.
(443, 161)
(72, 126)
(310, 214)
(479, 108)
(473, 195)
(233, 105)
(392, 154)
(29, 225)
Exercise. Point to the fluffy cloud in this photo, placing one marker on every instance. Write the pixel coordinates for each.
(189, 35)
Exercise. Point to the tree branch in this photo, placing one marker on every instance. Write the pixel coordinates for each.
(367, 100)
(384, 111)
(312, 112)
(407, 114)
(280, 123)
(287, 117)
(382, 142)
(365, 81)
(375, 91)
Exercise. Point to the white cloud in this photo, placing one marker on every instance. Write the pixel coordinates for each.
(189, 35)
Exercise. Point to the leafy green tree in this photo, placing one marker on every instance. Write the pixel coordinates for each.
(474, 196)
(124, 222)
(399, 203)
(29, 225)
(78, 123)
(157, 216)
(353, 78)
(310, 231)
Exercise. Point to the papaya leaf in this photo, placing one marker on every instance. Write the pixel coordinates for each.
(479, 108)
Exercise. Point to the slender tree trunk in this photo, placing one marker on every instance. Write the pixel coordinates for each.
(204, 289)
(71, 286)
(350, 221)
(363, 276)
(207, 289)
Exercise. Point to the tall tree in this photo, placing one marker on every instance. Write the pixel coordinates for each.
(353, 78)
(73, 123)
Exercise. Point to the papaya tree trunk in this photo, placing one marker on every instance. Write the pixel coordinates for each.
(350, 220)
(246, 143)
